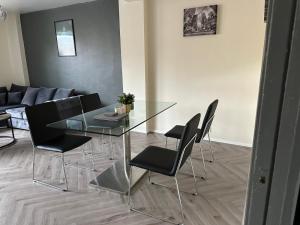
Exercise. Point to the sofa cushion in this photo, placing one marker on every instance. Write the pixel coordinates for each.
(14, 98)
(30, 96)
(17, 113)
(63, 93)
(18, 88)
(4, 108)
(45, 94)
(3, 89)
(3, 99)
(20, 123)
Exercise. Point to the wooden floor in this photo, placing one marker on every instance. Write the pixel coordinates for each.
(220, 200)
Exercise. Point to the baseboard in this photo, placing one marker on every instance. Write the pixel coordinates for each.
(140, 130)
(219, 140)
(249, 145)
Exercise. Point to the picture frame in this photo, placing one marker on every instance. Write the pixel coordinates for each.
(65, 38)
(200, 20)
(266, 10)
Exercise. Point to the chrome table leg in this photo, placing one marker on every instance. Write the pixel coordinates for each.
(116, 177)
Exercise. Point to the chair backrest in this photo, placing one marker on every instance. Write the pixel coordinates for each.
(68, 107)
(39, 116)
(90, 102)
(186, 142)
(208, 118)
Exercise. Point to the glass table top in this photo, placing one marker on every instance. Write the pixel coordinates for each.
(100, 121)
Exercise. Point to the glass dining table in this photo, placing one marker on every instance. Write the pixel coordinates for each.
(115, 178)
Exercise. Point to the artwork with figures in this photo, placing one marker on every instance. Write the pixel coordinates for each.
(200, 20)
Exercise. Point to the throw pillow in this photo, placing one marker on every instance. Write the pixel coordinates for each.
(3, 89)
(14, 98)
(63, 93)
(45, 94)
(30, 96)
(18, 88)
(3, 99)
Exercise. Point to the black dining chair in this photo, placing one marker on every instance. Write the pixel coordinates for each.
(177, 130)
(50, 139)
(167, 162)
(68, 108)
(90, 103)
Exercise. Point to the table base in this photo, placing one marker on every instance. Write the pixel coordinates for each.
(115, 178)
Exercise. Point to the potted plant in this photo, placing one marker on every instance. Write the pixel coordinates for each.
(127, 101)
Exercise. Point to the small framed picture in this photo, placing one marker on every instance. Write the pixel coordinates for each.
(200, 21)
(266, 10)
(64, 30)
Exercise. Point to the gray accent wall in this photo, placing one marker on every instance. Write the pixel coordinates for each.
(97, 66)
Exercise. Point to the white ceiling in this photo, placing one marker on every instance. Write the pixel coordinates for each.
(25, 6)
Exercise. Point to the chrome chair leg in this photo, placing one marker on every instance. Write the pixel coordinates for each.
(149, 176)
(111, 146)
(84, 156)
(171, 188)
(176, 144)
(92, 157)
(45, 183)
(179, 200)
(131, 205)
(64, 169)
(166, 145)
(33, 162)
(204, 164)
(129, 187)
(211, 149)
(12, 129)
(195, 179)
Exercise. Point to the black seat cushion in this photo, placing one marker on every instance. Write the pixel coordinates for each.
(64, 143)
(177, 131)
(4, 108)
(156, 159)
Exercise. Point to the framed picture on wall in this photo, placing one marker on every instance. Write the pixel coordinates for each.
(200, 21)
(64, 30)
(266, 10)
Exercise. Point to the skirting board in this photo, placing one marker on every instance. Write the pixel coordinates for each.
(249, 145)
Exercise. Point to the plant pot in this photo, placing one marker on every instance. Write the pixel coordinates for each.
(127, 108)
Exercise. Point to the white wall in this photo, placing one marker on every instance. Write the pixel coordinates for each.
(193, 71)
(133, 47)
(12, 55)
(133, 50)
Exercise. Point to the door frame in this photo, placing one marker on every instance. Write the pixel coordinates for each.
(277, 115)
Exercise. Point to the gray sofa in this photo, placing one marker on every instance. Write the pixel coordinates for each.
(15, 105)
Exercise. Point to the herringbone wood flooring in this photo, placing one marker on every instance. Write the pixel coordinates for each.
(220, 200)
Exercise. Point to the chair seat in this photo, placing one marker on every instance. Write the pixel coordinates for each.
(177, 131)
(64, 143)
(156, 159)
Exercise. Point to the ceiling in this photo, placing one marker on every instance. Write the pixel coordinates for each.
(25, 6)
